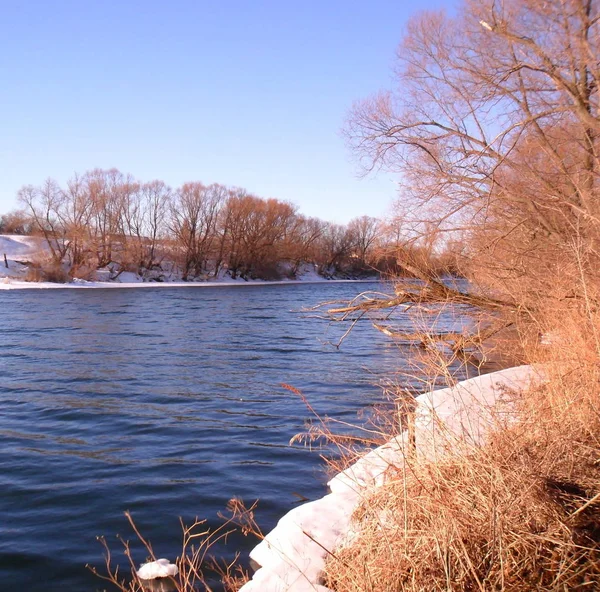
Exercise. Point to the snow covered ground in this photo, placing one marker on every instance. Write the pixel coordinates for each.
(21, 247)
(18, 251)
(24, 251)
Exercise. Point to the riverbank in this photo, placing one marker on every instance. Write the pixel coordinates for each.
(495, 485)
(10, 284)
(294, 554)
(27, 263)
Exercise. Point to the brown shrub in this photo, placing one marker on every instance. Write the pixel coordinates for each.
(55, 274)
(33, 274)
(48, 272)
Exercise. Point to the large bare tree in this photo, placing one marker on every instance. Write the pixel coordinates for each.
(45, 204)
(194, 215)
(493, 127)
(364, 232)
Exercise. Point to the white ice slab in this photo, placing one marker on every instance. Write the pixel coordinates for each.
(305, 536)
(161, 568)
(463, 415)
(371, 469)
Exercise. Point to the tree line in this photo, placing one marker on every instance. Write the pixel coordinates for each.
(106, 218)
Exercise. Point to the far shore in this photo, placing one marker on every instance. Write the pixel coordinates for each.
(11, 284)
(19, 251)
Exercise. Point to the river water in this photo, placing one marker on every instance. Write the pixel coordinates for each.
(167, 403)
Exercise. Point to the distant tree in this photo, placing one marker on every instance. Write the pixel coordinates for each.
(109, 192)
(275, 222)
(15, 222)
(156, 198)
(195, 213)
(256, 231)
(335, 247)
(301, 241)
(145, 221)
(364, 232)
(76, 215)
(45, 204)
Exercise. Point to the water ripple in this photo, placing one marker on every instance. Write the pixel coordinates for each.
(167, 403)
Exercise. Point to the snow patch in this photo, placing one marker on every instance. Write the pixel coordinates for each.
(16, 246)
(19, 251)
(161, 568)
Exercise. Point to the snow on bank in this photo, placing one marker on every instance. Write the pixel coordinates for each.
(22, 251)
(7, 283)
(292, 556)
(19, 247)
(17, 251)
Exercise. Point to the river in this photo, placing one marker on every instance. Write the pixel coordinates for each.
(167, 403)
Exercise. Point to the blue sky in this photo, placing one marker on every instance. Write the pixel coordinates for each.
(246, 93)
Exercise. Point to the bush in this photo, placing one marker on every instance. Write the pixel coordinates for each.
(56, 274)
(34, 274)
(47, 273)
(15, 222)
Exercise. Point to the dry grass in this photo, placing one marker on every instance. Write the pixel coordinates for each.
(198, 568)
(521, 513)
(46, 272)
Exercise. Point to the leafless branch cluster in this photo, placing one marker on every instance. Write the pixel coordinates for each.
(494, 128)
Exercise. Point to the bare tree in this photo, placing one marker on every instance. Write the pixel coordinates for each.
(301, 241)
(364, 232)
(256, 231)
(109, 192)
(494, 128)
(156, 199)
(45, 205)
(194, 216)
(15, 222)
(144, 216)
(335, 247)
(76, 215)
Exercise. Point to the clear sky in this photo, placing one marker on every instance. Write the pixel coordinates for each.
(249, 93)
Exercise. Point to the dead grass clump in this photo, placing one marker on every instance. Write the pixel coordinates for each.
(521, 513)
(55, 274)
(49, 272)
(33, 274)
